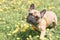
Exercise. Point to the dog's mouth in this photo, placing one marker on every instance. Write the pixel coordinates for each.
(31, 20)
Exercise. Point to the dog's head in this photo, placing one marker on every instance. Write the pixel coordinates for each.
(34, 15)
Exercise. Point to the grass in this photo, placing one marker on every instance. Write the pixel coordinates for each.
(13, 25)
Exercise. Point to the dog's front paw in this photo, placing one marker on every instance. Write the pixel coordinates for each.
(41, 38)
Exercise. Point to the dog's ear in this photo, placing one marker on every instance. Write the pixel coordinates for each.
(42, 12)
(32, 6)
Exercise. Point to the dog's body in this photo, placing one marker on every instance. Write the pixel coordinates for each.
(50, 17)
(41, 20)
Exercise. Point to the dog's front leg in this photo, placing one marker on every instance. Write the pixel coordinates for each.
(43, 31)
(42, 34)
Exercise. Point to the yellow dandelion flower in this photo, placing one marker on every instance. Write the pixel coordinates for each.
(50, 34)
(18, 38)
(29, 1)
(50, 38)
(18, 23)
(42, 38)
(9, 34)
(57, 37)
(42, 2)
(4, 22)
(25, 27)
(1, 10)
(19, 2)
(16, 30)
(45, 38)
(36, 3)
(25, 16)
(58, 7)
(47, 29)
(12, 1)
(10, 31)
(17, 26)
(8, 16)
(16, 9)
(0, 18)
(25, 9)
(1, 1)
(51, 7)
(29, 35)
(23, 30)
(3, 18)
(15, 21)
(8, 27)
(6, 7)
(27, 38)
(37, 36)
(58, 0)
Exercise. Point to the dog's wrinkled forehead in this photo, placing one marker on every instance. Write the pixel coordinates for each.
(35, 12)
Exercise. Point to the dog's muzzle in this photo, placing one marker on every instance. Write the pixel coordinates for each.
(31, 20)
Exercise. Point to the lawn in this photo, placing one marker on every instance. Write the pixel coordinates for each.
(13, 25)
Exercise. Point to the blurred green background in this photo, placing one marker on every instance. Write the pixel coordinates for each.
(13, 25)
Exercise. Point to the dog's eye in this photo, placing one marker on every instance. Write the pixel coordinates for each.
(36, 17)
(30, 13)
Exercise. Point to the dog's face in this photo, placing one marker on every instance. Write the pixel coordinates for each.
(34, 15)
